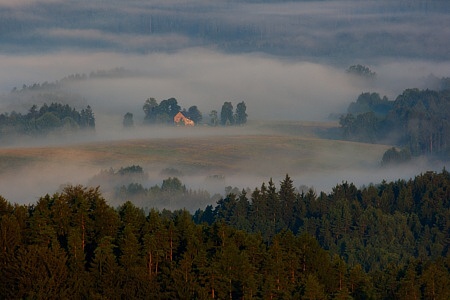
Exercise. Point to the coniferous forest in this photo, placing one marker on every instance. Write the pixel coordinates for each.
(384, 241)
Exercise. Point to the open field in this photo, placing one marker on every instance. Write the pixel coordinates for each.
(242, 157)
(252, 154)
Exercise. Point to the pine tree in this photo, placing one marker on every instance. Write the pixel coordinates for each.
(241, 115)
(105, 271)
(313, 289)
(288, 198)
(226, 114)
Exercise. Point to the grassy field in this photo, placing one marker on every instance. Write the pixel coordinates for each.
(240, 157)
(263, 152)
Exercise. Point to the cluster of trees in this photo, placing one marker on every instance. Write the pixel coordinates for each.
(417, 120)
(130, 183)
(165, 111)
(113, 178)
(47, 118)
(389, 241)
(228, 116)
(171, 193)
(361, 71)
(161, 113)
(395, 156)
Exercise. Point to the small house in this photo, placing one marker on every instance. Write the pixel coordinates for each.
(179, 118)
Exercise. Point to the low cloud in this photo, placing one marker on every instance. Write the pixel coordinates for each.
(19, 3)
(272, 88)
(117, 40)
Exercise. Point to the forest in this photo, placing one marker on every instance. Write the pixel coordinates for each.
(418, 121)
(384, 241)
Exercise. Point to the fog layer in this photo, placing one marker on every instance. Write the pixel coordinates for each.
(272, 88)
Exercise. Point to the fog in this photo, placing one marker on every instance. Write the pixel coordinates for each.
(287, 61)
(320, 168)
(273, 88)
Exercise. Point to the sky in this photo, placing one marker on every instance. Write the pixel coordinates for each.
(286, 60)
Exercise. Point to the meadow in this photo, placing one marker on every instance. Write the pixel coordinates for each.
(243, 157)
(286, 148)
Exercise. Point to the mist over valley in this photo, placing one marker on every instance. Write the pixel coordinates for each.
(287, 61)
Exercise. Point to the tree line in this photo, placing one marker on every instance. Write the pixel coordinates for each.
(57, 85)
(45, 119)
(388, 241)
(418, 120)
(165, 111)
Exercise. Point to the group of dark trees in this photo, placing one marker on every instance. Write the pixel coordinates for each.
(389, 241)
(361, 71)
(45, 119)
(228, 117)
(165, 111)
(171, 193)
(417, 120)
(161, 113)
(113, 178)
(394, 156)
(131, 183)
